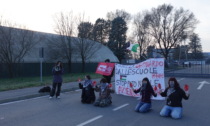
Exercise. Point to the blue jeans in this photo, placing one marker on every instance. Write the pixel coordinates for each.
(174, 112)
(143, 107)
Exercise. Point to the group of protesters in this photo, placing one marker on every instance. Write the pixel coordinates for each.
(88, 92)
(173, 93)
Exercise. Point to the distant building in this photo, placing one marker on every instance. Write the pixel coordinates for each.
(34, 55)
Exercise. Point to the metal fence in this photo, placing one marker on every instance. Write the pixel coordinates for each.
(33, 69)
(193, 70)
(190, 68)
(201, 70)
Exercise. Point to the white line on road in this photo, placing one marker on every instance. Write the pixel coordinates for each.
(115, 109)
(21, 100)
(32, 98)
(138, 99)
(91, 120)
(200, 86)
(180, 79)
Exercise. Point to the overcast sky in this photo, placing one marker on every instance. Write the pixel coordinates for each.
(38, 14)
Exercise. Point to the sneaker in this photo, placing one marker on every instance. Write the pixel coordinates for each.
(58, 97)
(50, 97)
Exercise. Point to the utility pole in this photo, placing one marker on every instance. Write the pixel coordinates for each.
(41, 56)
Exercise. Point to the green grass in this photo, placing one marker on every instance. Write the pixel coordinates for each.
(24, 82)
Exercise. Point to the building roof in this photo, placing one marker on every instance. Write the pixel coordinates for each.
(101, 52)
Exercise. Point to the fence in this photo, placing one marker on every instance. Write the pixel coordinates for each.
(201, 70)
(33, 69)
(190, 68)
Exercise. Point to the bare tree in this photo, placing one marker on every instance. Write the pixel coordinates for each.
(141, 31)
(168, 25)
(61, 46)
(119, 13)
(15, 43)
(84, 47)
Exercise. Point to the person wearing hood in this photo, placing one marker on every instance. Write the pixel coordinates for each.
(88, 95)
(105, 91)
(174, 95)
(146, 91)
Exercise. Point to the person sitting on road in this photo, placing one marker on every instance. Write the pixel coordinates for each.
(88, 94)
(174, 96)
(105, 91)
(146, 91)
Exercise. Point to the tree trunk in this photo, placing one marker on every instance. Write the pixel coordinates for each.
(166, 60)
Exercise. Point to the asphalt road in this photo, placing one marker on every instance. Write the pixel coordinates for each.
(68, 111)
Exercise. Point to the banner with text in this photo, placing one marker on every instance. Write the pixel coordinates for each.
(153, 69)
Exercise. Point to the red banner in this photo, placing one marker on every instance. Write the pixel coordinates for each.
(105, 68)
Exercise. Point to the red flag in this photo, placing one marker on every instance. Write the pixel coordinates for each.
(186, 87)
(131, 85)
(159, 86)
(110, 85)
(94, 83)
(105, 68)
(155, 88)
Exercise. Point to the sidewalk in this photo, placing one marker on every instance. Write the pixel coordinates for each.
(26, 93)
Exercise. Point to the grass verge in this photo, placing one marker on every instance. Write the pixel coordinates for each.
(24, 82)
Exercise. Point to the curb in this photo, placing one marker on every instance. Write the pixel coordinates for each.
(34, 95)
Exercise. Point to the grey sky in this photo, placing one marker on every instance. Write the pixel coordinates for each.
(38, 14)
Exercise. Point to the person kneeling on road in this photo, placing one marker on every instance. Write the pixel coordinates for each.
(174, 96)
(105, 91)
(146, 91)
(88, 94)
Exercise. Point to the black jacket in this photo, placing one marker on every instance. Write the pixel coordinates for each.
(146, 94)
(175, 98)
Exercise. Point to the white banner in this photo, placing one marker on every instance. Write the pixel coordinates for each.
(153, 69)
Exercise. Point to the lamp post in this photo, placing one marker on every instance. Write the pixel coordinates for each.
(41, 56)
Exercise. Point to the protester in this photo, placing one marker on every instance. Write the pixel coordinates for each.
(146, 91)
(88, 95)
(57, 79)
(174, 96)
(108, 78)
(105, 91)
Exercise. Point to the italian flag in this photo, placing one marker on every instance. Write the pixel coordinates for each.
(133, 47)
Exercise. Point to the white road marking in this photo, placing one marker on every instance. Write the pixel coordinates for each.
(180, 79)
(1, 118)
(91, 120)
(138, 99)
(21, 101)
(115, 109)
(32, 98)
(202, 84)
